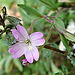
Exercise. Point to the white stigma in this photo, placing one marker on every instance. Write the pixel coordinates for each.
(30, 47)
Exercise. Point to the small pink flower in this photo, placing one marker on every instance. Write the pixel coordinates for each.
(26, 44)
(24, 62)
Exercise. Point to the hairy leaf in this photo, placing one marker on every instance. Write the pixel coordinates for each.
(30, 11)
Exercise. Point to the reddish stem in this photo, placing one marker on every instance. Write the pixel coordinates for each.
(31, 26)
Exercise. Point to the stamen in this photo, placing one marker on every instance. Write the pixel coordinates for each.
(21, 41)
(30, 47)
(27, 41)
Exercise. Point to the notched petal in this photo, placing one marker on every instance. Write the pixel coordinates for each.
(38, 42)
(36, 35)
(28, 55)
(22, 31)
(35, 53)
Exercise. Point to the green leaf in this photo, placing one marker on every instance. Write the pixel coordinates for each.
(65, 43)
(8, 42)
(30, 11)
(27, 19)
(55, 69)
(7, 63)
(2, 62)
(59, 73)
(24, 1)
(18, 64)
(2, 72)
(59, 24)
(46, 53)
(70, 37)
(64, 69)
(73, 61)
(55, 45)
(13, 20)
(50, 3)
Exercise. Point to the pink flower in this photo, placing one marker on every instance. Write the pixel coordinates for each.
(24, 62)
(26, 44)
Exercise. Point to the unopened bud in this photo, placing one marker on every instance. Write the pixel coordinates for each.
(24, 62)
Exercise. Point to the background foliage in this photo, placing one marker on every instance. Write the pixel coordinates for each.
(50, 62)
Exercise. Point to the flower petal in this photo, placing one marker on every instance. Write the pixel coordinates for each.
(19, 50)
(16, 47)
(19, 53)
(17, 35)
(38, 42)
(35, 53)
(20, 34)
(22, 31)
(28, 55)
(36, 35)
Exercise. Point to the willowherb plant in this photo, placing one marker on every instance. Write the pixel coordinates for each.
(23, 44)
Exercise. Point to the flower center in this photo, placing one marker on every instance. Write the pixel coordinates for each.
(27, 41)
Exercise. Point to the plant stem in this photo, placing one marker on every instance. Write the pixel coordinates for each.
(47, 38)
(67, 31)
(58, 30)
(48, 19)
(58, 12)
(49, 34)
(32, 25)
(71, 71)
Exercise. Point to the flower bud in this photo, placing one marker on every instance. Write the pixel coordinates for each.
(24, 62)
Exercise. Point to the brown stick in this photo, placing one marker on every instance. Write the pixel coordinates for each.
(57, 50)
(54, 49)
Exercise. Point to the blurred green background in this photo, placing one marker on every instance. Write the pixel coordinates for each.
(49, 62)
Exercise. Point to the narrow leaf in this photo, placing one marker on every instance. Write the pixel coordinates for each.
(59, 73)
(55, 69)
(24, 1)
(18, 64)
(2, 62)
(7, 63)
(73, 61)
(70, 37)
(59, 24)
(50, 3)
(64, 69)
(65, 43)
(30, 11)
